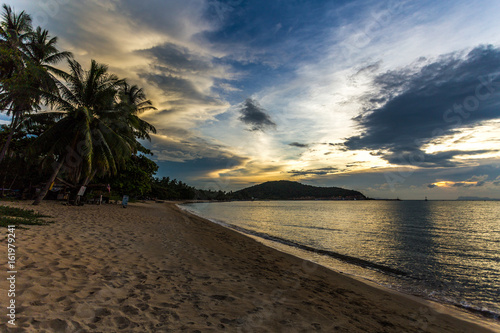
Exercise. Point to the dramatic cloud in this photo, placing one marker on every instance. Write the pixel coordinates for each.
(255, 116)
(179, 91)
(178, 59)
(414, 105)
(185, 79)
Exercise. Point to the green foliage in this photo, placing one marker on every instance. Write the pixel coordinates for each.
(135, 179)
(18, 169)
(18, 216)
(166, 189)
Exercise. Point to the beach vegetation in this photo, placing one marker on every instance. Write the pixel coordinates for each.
(136, 179)
(18, 216)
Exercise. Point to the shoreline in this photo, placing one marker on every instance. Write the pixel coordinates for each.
(336, 262)
(386, 277)
(156, 268)
(453, 309)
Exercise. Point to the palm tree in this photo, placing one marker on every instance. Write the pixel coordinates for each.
(31, 71)
(14, 31)
(125, 119)
(42, 54)
(133, 102)
(83, 140)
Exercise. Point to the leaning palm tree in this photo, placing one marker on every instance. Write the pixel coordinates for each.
(82, 141)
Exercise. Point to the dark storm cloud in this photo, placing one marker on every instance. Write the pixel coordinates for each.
(179, 90)
(421, 104)
(298, 145)
(255, 116)
(414, 156)
(176, 58)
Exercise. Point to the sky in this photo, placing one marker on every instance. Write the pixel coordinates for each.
(391, 98)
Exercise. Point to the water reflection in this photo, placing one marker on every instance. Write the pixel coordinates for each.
(412, 227)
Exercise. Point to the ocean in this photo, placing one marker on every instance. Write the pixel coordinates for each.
(446, 251)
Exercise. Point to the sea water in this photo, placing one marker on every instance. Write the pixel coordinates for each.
(447, 251)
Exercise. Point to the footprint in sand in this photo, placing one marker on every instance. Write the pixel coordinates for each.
(121, 322)
(129, 310)
(85, 311)
(142, 306)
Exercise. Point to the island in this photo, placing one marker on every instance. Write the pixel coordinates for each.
(290, 190)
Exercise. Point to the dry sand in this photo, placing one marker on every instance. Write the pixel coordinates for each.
(154, 268)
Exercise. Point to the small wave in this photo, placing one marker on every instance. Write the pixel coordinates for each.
(311, 227)
(480, 311)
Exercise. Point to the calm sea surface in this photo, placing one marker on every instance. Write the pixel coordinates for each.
(447, 251)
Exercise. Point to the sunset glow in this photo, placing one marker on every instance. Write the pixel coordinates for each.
(325, 93)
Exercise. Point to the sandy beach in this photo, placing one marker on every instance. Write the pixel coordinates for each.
(154, 268)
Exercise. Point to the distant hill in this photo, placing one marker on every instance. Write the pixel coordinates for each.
(288, 190)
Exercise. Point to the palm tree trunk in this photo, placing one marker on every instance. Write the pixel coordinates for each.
(9, 138)
(13, 181)
(3, 186)
(89, 178)
(85, 182)
(42, 194)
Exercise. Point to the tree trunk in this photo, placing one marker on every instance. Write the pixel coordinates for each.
(13, 181)
(9, 139)
(89, 178)
(74, 197)
(42, 194)
(3, 186)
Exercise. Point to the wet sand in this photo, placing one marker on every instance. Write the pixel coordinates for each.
(154, 268)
